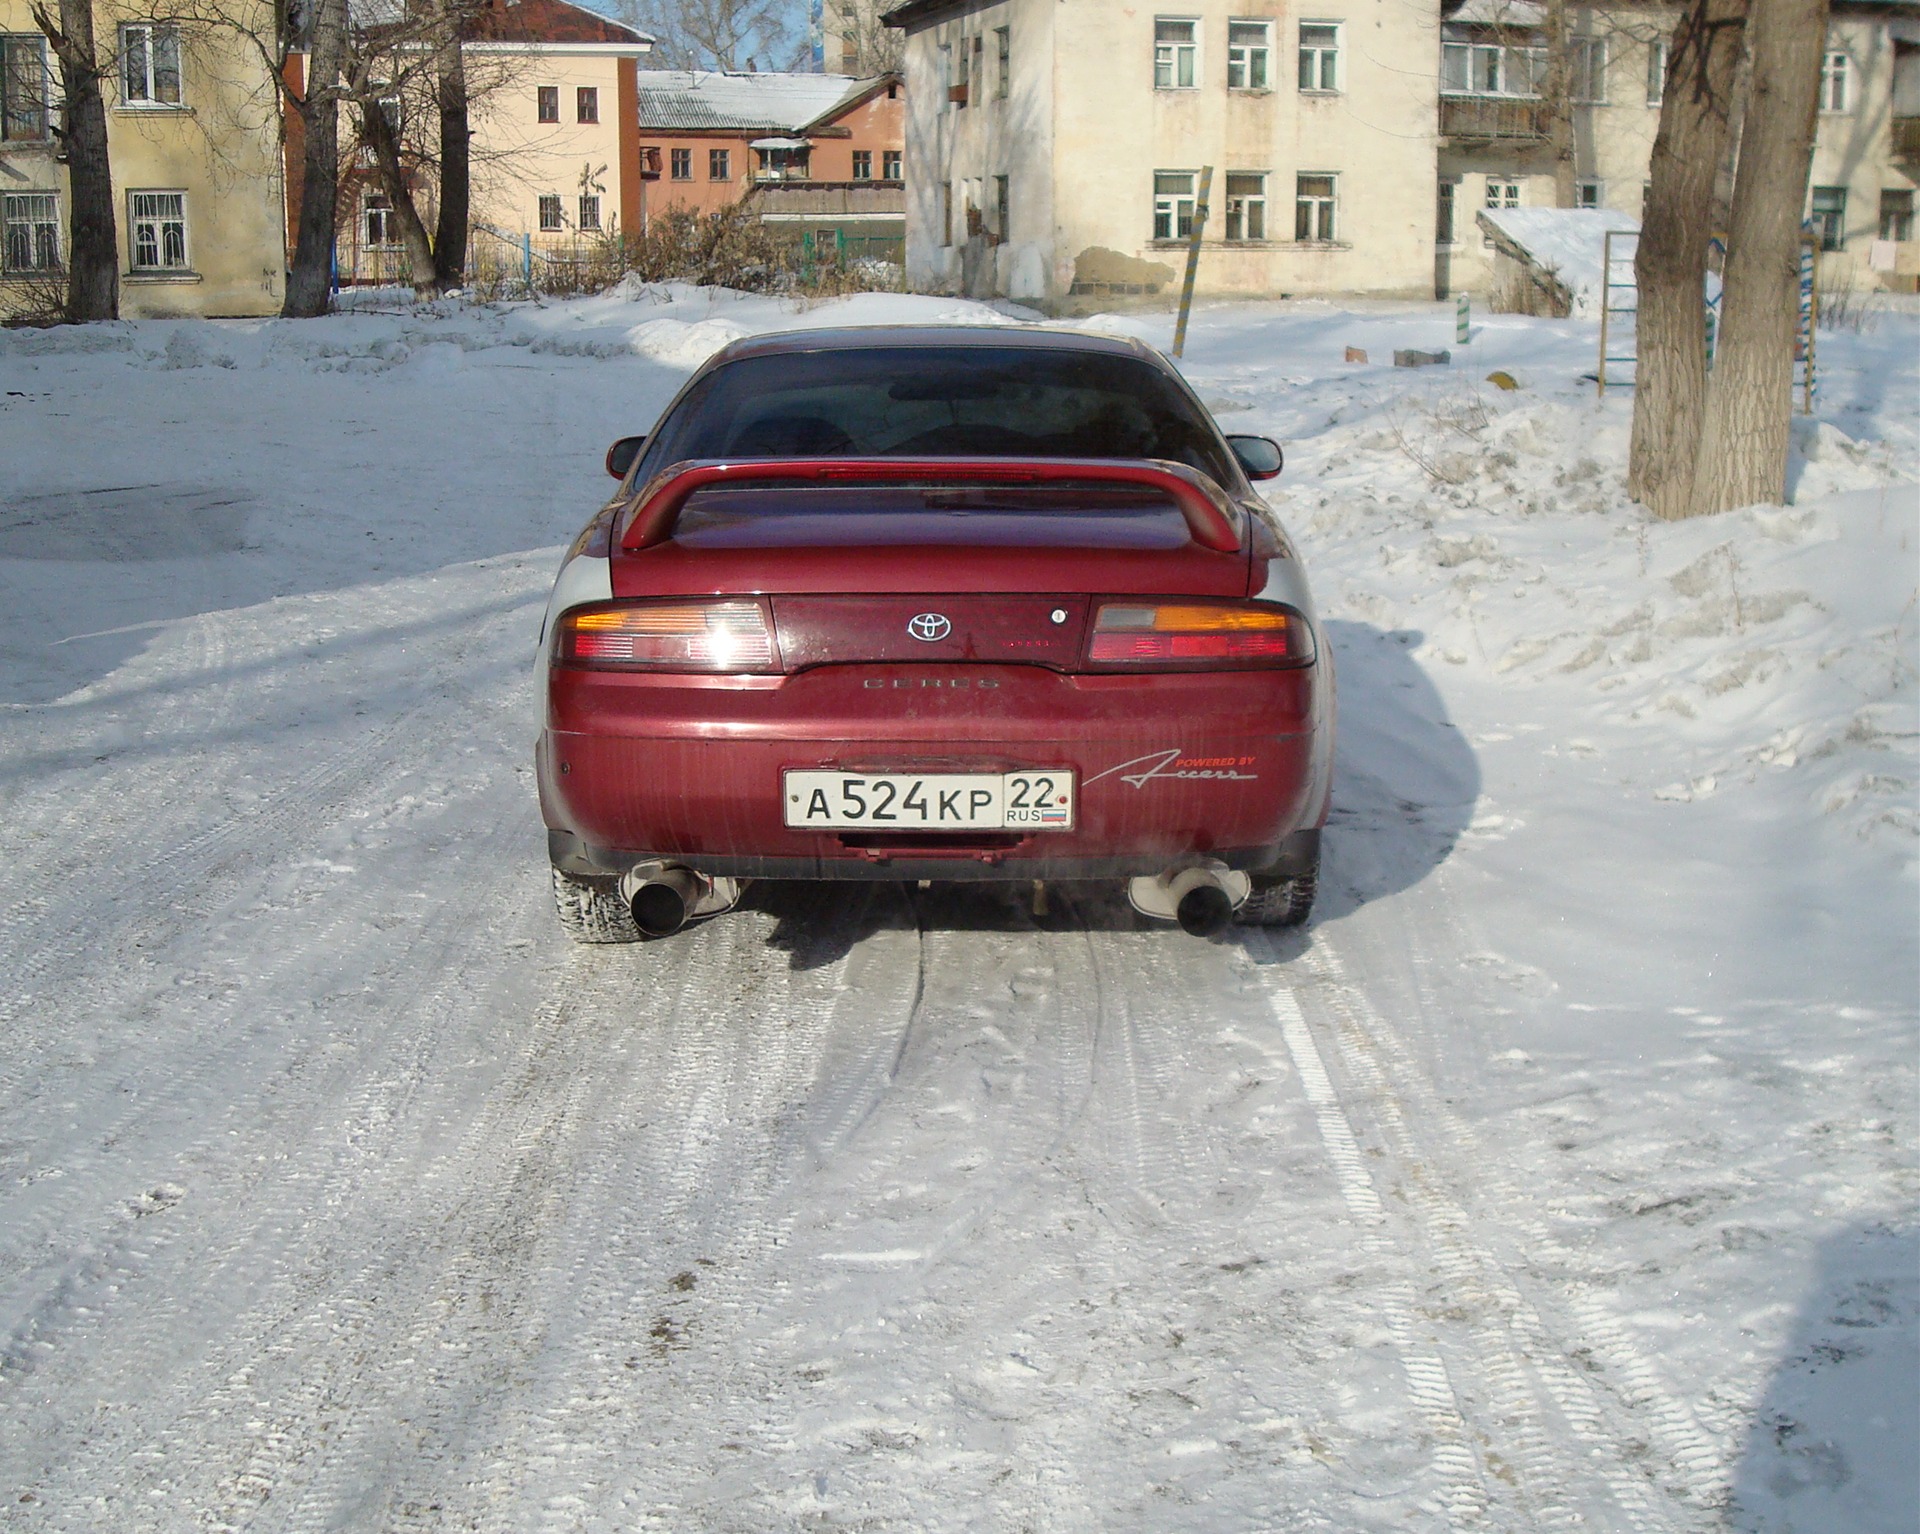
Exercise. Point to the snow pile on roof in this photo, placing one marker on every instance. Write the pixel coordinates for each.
(680, 98)
(1567, 244)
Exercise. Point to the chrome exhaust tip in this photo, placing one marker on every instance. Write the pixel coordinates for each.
(664, 897)
(1201, 897)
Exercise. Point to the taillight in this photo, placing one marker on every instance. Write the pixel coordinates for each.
(1199, 636)
(663, 636)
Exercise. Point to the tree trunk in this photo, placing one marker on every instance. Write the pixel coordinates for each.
(456, 163)
(1670, 262)
(310, 279)
(381, 138)
(93, 246)
(1743, 443)
(1559, 93)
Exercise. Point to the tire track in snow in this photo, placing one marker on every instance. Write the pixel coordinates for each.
(1460, 1489)
(1513, 1359)
(1690, 1441)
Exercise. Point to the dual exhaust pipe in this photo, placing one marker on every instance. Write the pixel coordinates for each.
(1201, 897)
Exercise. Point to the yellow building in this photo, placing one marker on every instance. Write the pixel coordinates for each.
(193, 134)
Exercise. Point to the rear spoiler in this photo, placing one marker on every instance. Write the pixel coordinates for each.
(1211, 518)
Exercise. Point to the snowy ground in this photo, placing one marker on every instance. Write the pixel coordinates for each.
(1561, 1176)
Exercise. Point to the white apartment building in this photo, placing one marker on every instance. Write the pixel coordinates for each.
(1054, 148)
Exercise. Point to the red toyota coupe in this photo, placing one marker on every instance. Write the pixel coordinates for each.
(958, 603)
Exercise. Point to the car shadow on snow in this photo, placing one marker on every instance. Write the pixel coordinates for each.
(1832, 1441)
(1405, 784)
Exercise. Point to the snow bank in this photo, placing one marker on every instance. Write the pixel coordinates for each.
(1570, 244)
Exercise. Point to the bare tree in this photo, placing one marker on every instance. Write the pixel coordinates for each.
(317, 106)
(1559, 93)
(1670, 263)
(1744, 433)
(93, 246)
(723, 34)
(867, 45)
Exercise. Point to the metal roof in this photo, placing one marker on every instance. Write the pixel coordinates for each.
(680, 98)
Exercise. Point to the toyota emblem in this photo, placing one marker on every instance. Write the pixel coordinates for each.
(929, 627)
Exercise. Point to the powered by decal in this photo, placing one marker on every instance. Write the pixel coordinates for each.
(1174, 763)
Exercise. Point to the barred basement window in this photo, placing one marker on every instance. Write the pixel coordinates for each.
(159, 231)
(589, 211)
(33, 232)
(551, 218)
(150, 65)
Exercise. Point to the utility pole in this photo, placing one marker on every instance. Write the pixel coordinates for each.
(1193, 259)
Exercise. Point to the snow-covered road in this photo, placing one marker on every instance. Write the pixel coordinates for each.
(1561, 1176)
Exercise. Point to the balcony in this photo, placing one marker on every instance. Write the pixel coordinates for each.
(1906, 138)
(1493, 119)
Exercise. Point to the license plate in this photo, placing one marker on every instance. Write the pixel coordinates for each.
(938, 801)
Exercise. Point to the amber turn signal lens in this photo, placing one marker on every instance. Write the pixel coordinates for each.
(1197, 636)
(681, 636)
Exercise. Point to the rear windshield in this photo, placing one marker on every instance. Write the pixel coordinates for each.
(936, 401)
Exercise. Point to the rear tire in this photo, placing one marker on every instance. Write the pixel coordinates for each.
(1278, 902)
(593, 913)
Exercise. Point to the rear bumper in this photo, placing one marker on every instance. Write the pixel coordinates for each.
(1299, 853)
(1229, 765)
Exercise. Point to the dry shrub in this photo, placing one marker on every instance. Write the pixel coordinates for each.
(34, 300)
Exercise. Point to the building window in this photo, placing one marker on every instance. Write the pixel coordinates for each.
(1586, 194)
(1656, 71)
(150, 65)
(1173, 204)
(681, 161)
(23, 88)
(1835, 82)
(549, 98)
(33, 232)
(551, 218)
(719, 164)
(378, 230)
(586, 104)
(1500, 194)
(1830, 217)
(1246, 205)
(1002, 208)
(1319, 55)
(1896, 214)
(1491, 69)
(1003, 44)
(1176, 54)
(890, 164)
(1313, 210)
(589, 211)
(1443, 218)
(1249, 50)
(957, 90)
(863, 165)
(159, 231)
(1588, 63)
